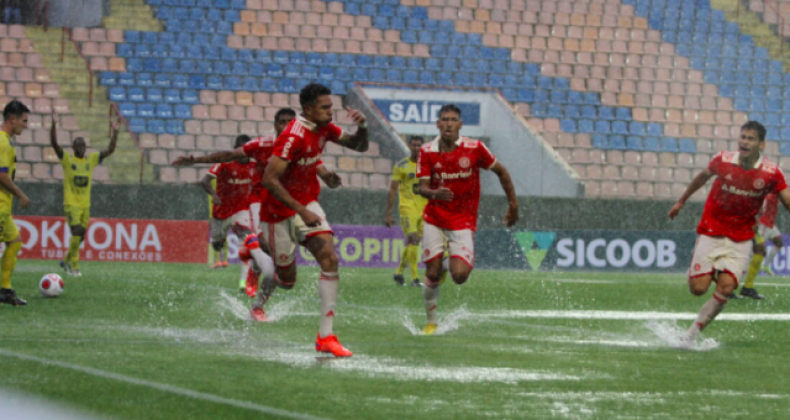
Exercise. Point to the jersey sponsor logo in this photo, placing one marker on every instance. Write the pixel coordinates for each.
(464, 162)
(737, 191)
(456, 175)
(238, 181)
(287, 147)
(308, 161)
(728, 177)
(81, 181)
(759, 183)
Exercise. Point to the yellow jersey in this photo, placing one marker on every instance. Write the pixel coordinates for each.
(7, 165)
(405, 173)
(77, 177)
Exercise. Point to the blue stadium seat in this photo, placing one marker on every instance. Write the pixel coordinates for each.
(427, 78)
(588, 111)
(343, 73)
(146, 110)
(180, 81)
(623, 114)
(137, 125)
(136, 94)
(637, 128)
(164, 111)
(172, 96)
(619, 127)
(394, 76)
(131, 36)
(232, 83)
(600, 141)
(134, 65)
(144, 79)
(190, 96)
(287, 85)
(126, 79)
(655, 129)
(257, 69)
(107, 78)
(175, 127)
(634, 143)
(617, 142)
(214, 82)
(127, 109)
(669, 144)
(568, 126)
(432, 64)
(250, 84)
(168, 65)
(153, 95)
(197, 82)
(411, 76)
(687, 146)
(183, 112)
(275, 70)
(156, 126)
(177, 51)
(602, 126)
(377, 75)
(124, 50)
(652, 144)
(450, 64)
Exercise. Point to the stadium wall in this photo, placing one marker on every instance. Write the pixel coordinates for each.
(363, 207)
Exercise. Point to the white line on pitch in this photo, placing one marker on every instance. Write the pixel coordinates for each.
(626, 315)
(165, 387)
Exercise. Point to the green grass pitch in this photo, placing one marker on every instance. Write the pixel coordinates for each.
(170, 341)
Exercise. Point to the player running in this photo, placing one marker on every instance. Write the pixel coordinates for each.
(294, 214)
(449, 173)
(231, 200)
(406, 184)
(15, 115)
(766, 229)
(77, 183)
(725, 231)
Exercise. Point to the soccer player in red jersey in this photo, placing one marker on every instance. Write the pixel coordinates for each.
(725, 232)
(449, 173)
(231, 199)
(294, 215)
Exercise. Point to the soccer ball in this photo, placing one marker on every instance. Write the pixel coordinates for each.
(51, 285)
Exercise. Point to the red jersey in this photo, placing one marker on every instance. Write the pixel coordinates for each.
(459, 171)
(769, 210)
(233, 187)
(737, 195)
(301, 144)
(260, 149)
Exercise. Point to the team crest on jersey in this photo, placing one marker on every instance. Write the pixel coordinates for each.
(759, 183)
(464, 162)
(697, 267)
(437, 166)
(73, 166)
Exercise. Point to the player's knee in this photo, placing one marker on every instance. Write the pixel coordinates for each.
(286, 282)
(697, 289)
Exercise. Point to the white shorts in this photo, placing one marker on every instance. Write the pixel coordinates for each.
(255, 214)
(282, 237)
(722, 254)
(768, 232)
(460, 242)
(220, 227)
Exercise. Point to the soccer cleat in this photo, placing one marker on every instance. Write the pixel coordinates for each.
(430, 329)
(767, 270)
(329, 344)
(224, 264)
(217, 264)
(76, 272)
(415, 283)
(734, 296)
(258, 314)
(751, 293)
(399, 279)
(67, 267)
(8, 296)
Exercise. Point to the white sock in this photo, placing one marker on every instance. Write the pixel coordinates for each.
(431, 297)
(770, 256)
(328, 285)
(710, 310)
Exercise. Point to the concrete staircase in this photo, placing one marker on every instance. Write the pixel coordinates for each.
(135, 15)
(72, 76)
(750, 23)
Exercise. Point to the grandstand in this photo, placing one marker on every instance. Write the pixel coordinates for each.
(636, 95)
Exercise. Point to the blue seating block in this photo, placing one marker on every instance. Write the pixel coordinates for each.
(146, 110)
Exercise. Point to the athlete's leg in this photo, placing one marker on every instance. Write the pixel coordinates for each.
(758, 254)
(323, 249)
(13, 241)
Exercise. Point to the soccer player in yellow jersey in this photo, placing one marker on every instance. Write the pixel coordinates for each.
(77, 177)
(14, 123)
(404, 181)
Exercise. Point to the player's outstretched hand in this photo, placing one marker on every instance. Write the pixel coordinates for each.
(184, 161)
(673, 212)
(24, 202)
(309, 218)
(333, 180)
(511, 216)
(356, 116)
(443, 193)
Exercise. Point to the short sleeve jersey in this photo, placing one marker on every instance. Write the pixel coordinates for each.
(77, 178)
(8, 166)
(769, 210)
(737, 195)
(233, 187)
(405, 173)
(301, 144)
(260, 149)
(459, 171)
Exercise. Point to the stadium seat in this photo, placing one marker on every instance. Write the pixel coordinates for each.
(146, 110)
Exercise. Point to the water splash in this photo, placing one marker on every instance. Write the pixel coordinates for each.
(447, 323)
(670, 333)
(234, 306)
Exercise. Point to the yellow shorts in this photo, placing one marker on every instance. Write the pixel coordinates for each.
(411, 222)
(77, 216)
(8, 231)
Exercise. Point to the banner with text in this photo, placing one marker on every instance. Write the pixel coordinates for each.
(129, 240)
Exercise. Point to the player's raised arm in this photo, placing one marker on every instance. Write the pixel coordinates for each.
(698, 182)
(206, 184)
(53, 136)
(511, 216)
(115, 126)
(216, 157)
(358, 141)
